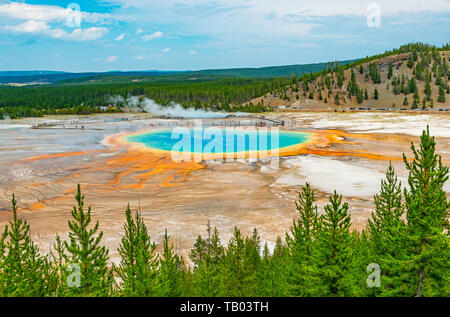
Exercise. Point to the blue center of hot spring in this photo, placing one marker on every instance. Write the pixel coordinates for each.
(218, 140)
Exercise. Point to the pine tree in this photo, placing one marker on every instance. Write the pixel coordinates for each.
(387, 232)
(239, 276)
(270, 274)
(332, 256)
(428, 87)
(412, 86)
(390, 71)
(59, 267)
(361, 255)
(405, 101)
(252, 261)
(171, 270)
(86, 253)
(388, 207)
(139, 263)
(23, 269)
(441, 97)
(207, 256)
(216, 250)
(427, 213)
(336, 99)
(416, 95)
(265, 274)
(374, 73)
(300, 243)
(415, 104)
(411, 61)
(354, 85)
(359, 96)
(3, 237)
(375, 94)
(402, 85)
(199, 251)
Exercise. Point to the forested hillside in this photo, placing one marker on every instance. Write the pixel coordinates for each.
(415, 76)
(215, 94)
(402, 252)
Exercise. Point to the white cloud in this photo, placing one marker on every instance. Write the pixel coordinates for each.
(31, 26)
(255, 22)
(242, 21)
(306, 45)
(41, 19)
(193, 52)
(358, 7)
(166, 50)
(79, 35)
(48, 13)
(252, 8)
(89, 34)
(111, 59)
(239, 22)
(139, 57)
(42, 28)
(25, 11)
(149, 37)
(120, 37)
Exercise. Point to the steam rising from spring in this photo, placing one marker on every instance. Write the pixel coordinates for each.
(172, 110)
(6, 118)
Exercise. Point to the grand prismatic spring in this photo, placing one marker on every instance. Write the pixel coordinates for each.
(220, 143)
(129, 158)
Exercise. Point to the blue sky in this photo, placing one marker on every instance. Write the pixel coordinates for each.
(197, 34)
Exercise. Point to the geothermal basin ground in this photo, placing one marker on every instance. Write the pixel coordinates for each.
(43, 159)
